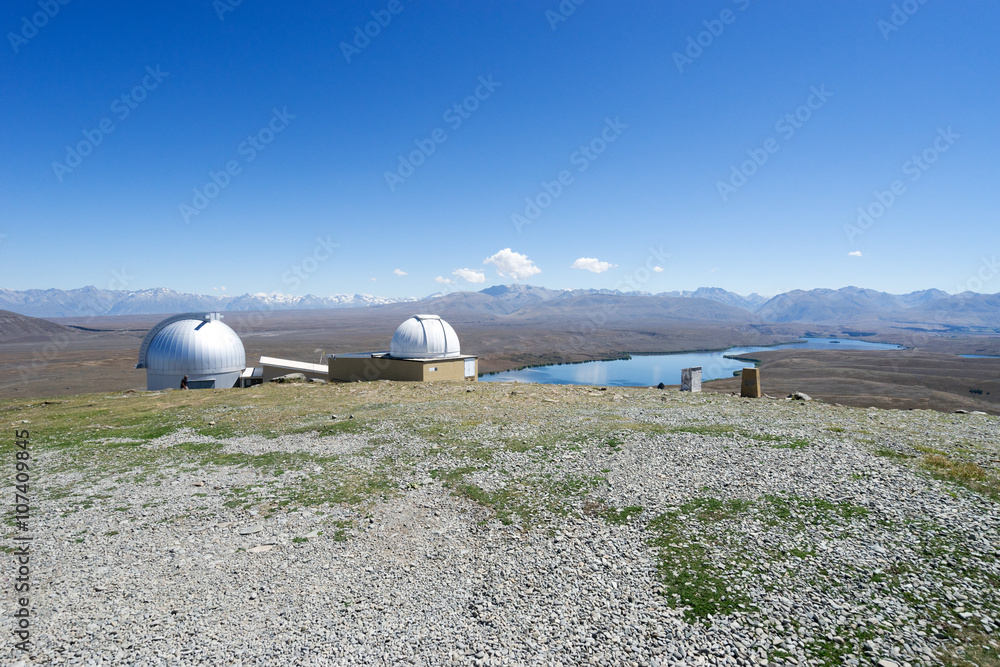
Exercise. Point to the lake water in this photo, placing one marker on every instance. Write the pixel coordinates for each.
(649, 370)
(979, 356)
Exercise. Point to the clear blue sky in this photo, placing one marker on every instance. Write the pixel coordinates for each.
(310, 116)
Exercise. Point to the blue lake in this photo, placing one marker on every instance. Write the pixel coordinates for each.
(979, 356)
(649, 370)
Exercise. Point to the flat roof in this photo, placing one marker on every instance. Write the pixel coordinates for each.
(293, 365)
(385, 355)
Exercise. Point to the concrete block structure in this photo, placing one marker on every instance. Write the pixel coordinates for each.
(750, 386)
(691, 379)
(423, 348)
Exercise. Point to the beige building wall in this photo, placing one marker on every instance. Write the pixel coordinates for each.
(367, 369)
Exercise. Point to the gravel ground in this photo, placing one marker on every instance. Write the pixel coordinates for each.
(539, 525)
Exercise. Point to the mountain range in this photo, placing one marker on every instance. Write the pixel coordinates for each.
(92, 302)
(820, 306)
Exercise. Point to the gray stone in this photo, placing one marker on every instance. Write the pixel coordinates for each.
(251, 530)
(290, 378)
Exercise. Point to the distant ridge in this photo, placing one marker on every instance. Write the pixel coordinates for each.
(527, 302)
(749, 302)
(856, 304)
(847, 305)
(91, 302)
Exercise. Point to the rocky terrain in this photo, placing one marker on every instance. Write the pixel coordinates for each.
(479, 524)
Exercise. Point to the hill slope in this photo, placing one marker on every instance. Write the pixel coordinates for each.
(447, 521)
(15, 327)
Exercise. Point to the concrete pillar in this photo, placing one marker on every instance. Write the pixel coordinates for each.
(751, 383)
(691, 379)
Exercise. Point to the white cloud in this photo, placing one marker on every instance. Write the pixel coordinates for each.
(658, 269)
(400, 272)
(513, 264)
(470, 275)
(219, 289)
(443, 280)
(592, 264)
(374, 279)
(856, 253)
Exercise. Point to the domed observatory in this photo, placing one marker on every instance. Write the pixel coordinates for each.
(424, 337)
(423, 348)
(197, 345)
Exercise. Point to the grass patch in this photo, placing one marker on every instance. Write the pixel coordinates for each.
(712, 509)
(690, 579)
(964, 473)
(505, 504)
(717, 430)
(527, 500)
(975, 649)
(332, 427)
(792, 444)
(622, 516)
(453, 475)
(887, 453)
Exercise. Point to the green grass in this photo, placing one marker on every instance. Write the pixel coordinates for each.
(964, 473)
(887, 453)
(712, 509)
(622, 516)
(699, 557)
(529, 500)
(710, 430)
(792, 444)
(691, 580)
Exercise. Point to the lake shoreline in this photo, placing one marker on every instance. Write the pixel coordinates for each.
(646, 373)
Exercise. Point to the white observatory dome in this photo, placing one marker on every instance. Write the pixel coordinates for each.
(193, 344)
(424, 337)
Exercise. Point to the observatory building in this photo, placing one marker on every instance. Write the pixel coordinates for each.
(424, 348)
(197, 345)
